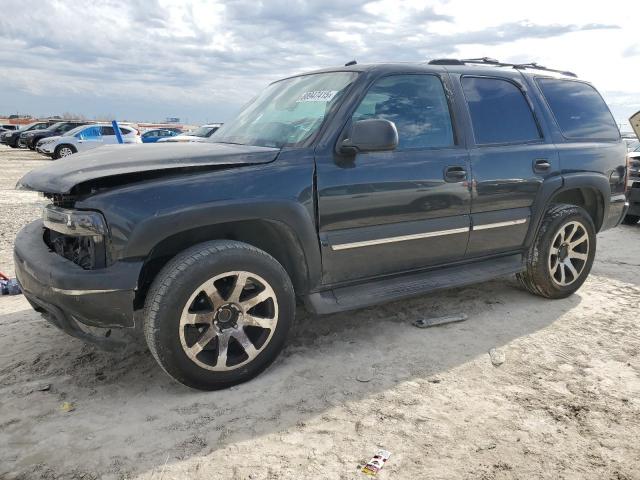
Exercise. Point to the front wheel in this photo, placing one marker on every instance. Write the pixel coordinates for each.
(218, 314)
(62, 151)
(562, 254)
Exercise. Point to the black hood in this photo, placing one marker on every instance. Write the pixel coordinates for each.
(133, 161)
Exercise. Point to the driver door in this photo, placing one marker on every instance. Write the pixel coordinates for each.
(387, 212)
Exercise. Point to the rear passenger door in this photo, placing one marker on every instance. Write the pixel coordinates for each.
(108, 135)
(510, 158)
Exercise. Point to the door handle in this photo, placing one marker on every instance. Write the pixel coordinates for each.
(541, 165)
(455, 174)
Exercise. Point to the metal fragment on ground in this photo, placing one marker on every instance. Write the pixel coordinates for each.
(432, 322)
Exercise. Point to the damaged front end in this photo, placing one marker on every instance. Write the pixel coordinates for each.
(77, 235)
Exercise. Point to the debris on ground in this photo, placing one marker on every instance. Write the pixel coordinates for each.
(374, 465)
(67, 407)
(497, 357)
(432, 322)
(9, 286)
(366, 375)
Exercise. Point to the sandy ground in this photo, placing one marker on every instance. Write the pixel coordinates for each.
(565, 404)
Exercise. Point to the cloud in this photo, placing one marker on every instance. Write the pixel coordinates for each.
(200, 55)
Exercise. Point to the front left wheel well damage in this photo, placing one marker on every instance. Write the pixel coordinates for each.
(273, 237)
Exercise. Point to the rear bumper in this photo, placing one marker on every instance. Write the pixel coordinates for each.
(68, 293)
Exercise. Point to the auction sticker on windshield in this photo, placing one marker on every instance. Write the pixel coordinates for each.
(317, 96)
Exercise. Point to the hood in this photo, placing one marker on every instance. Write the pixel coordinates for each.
(138, 162)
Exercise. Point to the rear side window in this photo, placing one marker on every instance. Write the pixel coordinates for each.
(416, 104)
(579, 109)
(499, 111)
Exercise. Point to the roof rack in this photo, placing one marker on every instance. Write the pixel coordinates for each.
(494, 62)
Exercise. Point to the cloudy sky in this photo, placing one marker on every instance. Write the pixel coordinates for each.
(201, 59)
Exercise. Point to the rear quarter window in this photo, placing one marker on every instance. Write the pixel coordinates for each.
(579, 109)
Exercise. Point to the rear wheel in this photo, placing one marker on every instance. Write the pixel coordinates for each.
(561, 257)
(64, 151)
(218, 314)
(630, 219)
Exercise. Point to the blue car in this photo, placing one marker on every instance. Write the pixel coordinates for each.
(152, 136)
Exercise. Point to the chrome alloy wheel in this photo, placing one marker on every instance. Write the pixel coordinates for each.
(568, 253)
(65, 151)
(228, 320)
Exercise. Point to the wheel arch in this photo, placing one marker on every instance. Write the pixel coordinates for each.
(273, 236)
(588, 190)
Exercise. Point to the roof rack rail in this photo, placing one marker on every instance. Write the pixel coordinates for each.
(494, 62)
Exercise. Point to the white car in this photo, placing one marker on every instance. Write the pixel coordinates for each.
(200, 134)
(85, 138)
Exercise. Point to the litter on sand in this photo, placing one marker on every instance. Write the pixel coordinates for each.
(9, 286)
(432, 322)
(497, 357)
(378, 461)
(67, 407)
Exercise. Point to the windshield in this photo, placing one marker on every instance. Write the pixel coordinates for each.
(201, 131)
(56, 126)
(28, 126)
(287, 112)
(73, 131)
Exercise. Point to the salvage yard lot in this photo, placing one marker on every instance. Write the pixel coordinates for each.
(564, 404)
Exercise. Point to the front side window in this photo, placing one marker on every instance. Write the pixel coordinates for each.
(91, 133)
(288, 112)
(499, 111)
(416, 104)
(579, 109)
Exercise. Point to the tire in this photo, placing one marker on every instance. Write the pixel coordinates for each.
(185, 330)
(62, 151)
(546, 271)
(630, 219)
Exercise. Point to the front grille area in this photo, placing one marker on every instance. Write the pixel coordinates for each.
(87, 252)
(62, 200)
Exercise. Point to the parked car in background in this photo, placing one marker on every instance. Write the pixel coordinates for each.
(200, 134)
(633, 185)
(152, 136)
(31, 138)
(5, 127)
(12, 138)
(85, 138)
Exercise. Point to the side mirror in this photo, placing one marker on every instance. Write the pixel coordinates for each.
(373, 135)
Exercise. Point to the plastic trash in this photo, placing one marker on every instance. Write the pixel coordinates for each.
(374, 465)
(9, 286)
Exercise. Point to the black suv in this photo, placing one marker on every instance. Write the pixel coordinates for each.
(31, 138)
(344, 187)
(12, 138)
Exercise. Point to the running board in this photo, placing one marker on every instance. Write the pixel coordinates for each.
(394, 288)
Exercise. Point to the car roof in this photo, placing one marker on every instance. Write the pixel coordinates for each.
(454, 66)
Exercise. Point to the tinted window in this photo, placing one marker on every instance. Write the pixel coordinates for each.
(89, 133)
(416, 104)
(108, 131)
(499, 111)
(579, 109)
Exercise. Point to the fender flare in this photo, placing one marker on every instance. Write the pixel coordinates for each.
(291, 215)
(558, 184)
